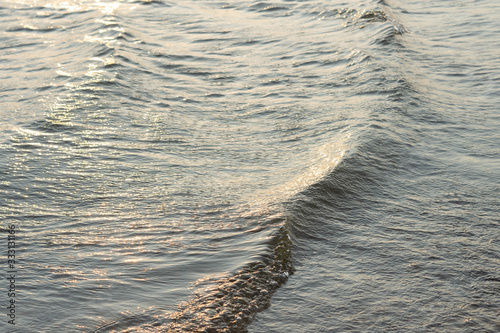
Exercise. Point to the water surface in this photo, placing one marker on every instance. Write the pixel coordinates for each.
(222, 166)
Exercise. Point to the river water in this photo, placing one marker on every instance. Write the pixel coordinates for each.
(234, 166)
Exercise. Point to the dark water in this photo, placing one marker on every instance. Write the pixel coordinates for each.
(288, 166)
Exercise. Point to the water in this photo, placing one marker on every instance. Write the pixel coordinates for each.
(294, 166)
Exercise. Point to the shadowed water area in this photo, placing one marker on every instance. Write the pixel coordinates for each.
(223, 166)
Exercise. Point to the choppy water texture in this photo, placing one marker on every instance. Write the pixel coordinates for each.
(233, 166)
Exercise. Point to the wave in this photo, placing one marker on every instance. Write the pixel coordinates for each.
(344, 168)
(340, 165)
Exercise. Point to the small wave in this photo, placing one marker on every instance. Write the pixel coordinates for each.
(32, 28)
(267, 7)
(361, 18)
(153, 2)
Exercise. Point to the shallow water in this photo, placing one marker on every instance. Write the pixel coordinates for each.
(295, 166)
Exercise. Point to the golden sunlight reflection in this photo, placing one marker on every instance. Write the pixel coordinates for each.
(108, 8)
(60, 71)
(133, 260)
(70, 6)
(61, 112)
(108, 61)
